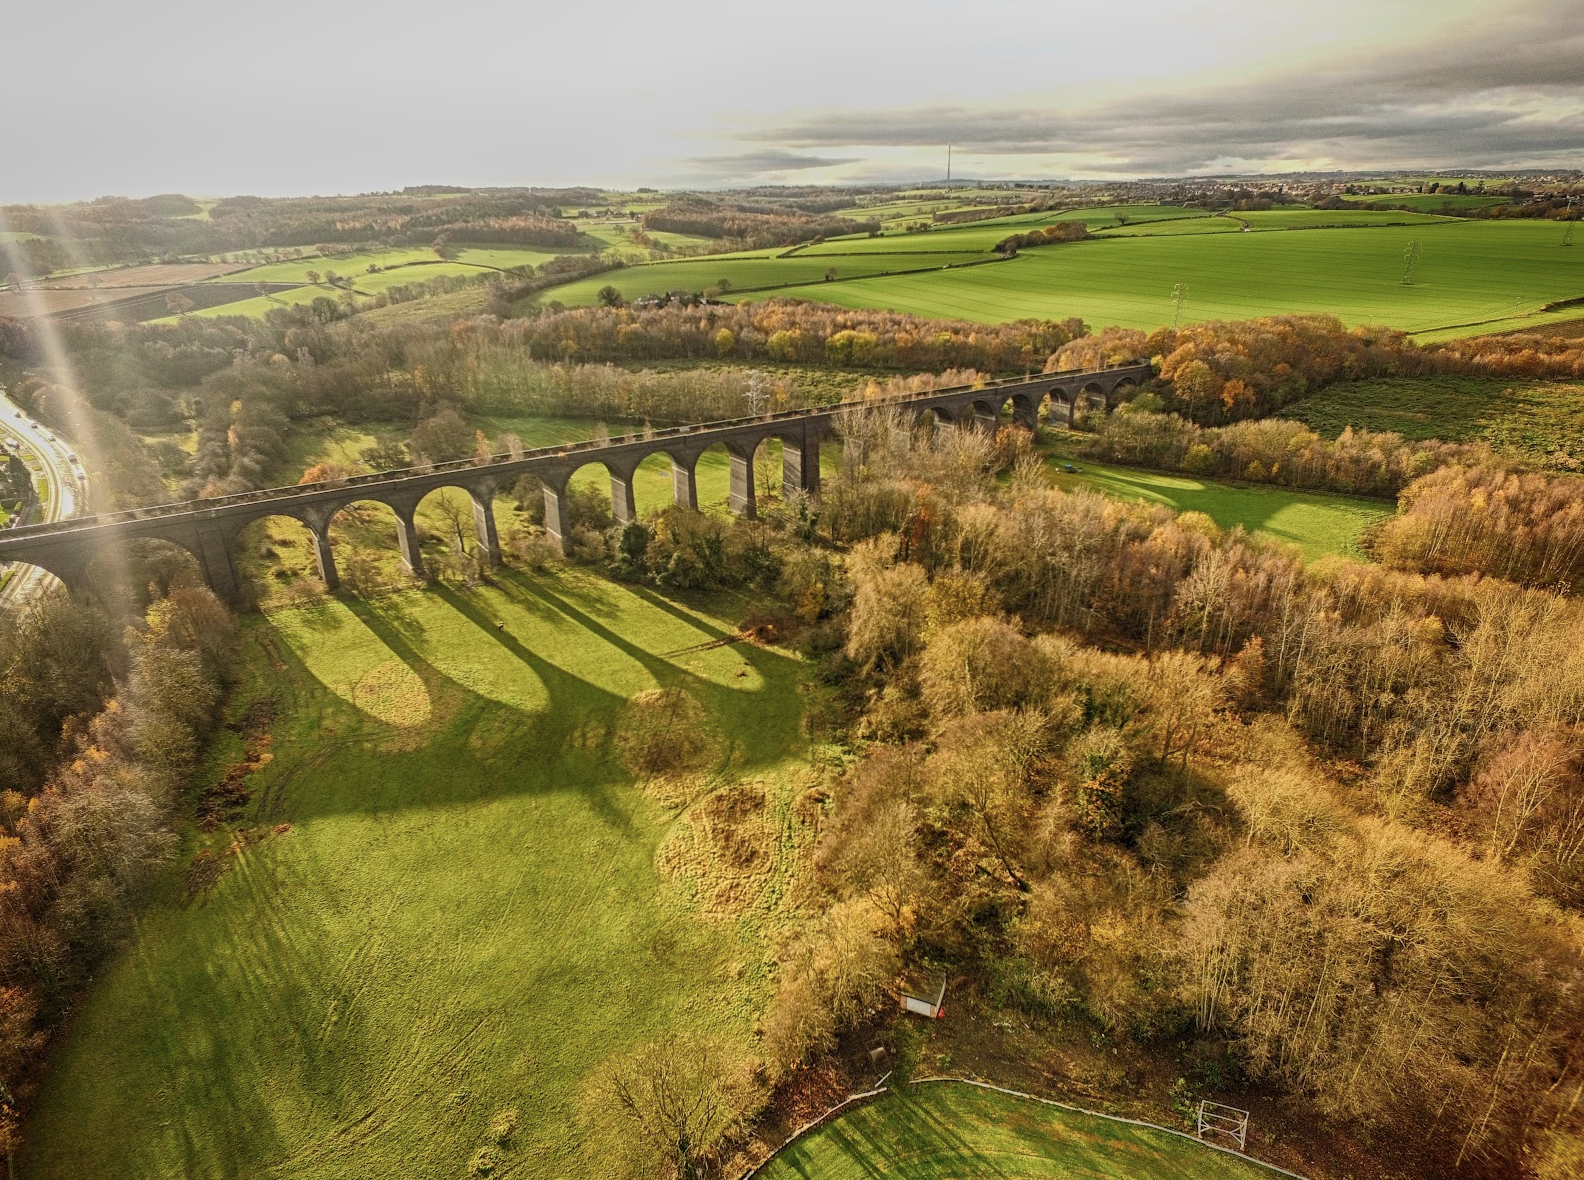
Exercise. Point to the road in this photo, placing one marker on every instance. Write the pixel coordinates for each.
(49, 456)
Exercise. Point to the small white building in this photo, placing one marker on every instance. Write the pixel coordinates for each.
(924, 993)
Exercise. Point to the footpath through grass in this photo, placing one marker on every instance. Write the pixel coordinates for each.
(1318, 523)
(474, 904)
(949, 1131)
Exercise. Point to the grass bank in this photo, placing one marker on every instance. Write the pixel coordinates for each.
(473, 906)
(1543, 420)
(946, 1131)
(1319, 524)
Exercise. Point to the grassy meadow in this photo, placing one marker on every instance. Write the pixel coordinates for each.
(1319, 524)
(454, 902)
(1467, 273)
(950, 1131)
(1542, 420)
(757, 270)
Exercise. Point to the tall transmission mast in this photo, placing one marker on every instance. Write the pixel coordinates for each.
(1179, 296)
(1410, 257)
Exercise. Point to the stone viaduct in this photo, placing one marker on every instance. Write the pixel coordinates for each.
(209, 528)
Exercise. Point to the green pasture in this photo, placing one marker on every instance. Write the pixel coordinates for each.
(1221, 224)
(1265, 219)
(1467, 273)
(467, 913)
(1108, 216)
(1542, 420)
(1432, 202)
(953, 1131)
(463, 259)
(259, 305)
(744, 272)
(1317, 523)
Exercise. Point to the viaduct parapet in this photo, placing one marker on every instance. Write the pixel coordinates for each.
(209, 528)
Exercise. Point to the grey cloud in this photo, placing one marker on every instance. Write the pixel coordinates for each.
(749, 165)
(769, 160)
(1504, 94)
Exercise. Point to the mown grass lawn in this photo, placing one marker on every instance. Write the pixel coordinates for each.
(950, 1131)
(1320, 525)
(467, 914)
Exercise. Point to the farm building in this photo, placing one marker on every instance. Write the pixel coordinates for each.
(924, 993)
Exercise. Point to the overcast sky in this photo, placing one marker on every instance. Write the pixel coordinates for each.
(333, 96)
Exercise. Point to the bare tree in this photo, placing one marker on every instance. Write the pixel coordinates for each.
(679, 1100)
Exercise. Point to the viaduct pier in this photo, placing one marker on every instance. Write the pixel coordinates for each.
(209, 529)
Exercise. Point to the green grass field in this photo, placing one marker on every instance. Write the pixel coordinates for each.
(1431, 202)
(761, 269)
(464, 258)
(1468, 273)
(1320, 525)
(1174, 228)
(951, 1131)
(474, 904)
(1542, 420)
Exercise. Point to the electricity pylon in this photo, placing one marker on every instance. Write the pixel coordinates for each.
(1410, 256)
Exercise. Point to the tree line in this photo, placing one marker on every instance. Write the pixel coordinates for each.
(1271, 450)
(749, 226)
(100, 734)
(1218, 372)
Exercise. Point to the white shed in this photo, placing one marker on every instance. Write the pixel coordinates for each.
(924, 992)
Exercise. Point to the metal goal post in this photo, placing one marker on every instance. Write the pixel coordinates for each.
(1225, 1120)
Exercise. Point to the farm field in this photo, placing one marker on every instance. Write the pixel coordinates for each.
(1220, 224)
(1543, 420)
(1319, 524)
(163, 274)
(1273, 219)
(258, 305)
(465, 916)
(1431, 202)
(951, 1131)
(744, 272)
(1472, 274)
(356, 265)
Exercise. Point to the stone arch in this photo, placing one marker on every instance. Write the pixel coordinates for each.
(932, 418)
(984, 413)
(1093, 395)
(455, 510)
(1025, 410)
(1123, 388)
(1063, 401)
(64, 562)
(354, 529)
(724, 470)
(123, 573)
(271, 552)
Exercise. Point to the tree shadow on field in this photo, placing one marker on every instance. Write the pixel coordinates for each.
(770, 717)
(909, 1130)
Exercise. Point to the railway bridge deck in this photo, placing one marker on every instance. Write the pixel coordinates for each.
(209, 528)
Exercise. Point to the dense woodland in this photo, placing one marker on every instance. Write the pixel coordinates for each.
(115, 229)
